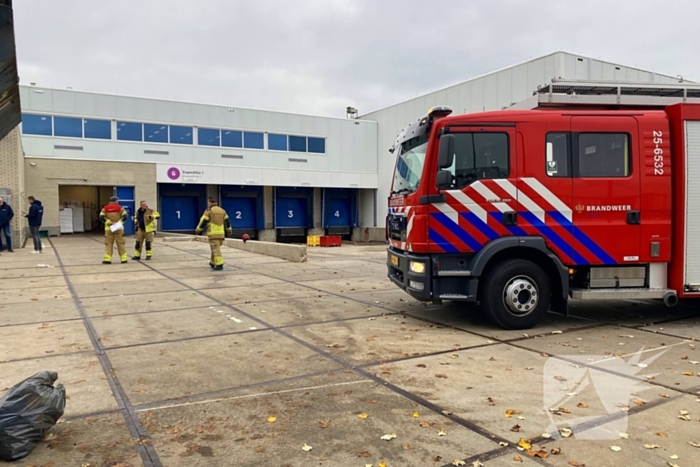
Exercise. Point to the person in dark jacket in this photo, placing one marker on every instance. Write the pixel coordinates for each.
(35, 216)
(6, 215)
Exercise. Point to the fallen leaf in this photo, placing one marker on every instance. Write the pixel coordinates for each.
(362, 416)
(685, 418)
(576, 464)
(665, 396)
(441, 375)
(555, 451)
(564, 410)
(671, 464)
(546, 435)
(421, 365)
(581, 405)
(673, 457)
(624, 435)
(405, 447)
(695, 444)
(503, 444)
(615, 448)
(442, 433)
(426, 424)
(437, 459)
(477, 463)
(515, 428)
(382, 464)
(542, 454)
(556, 332)
(446, 412)
(416, 415)
(517, 458)
(306, 447)
(458, 462)
(560, 378)
(324, 423)
(687, 373)
(510, 412)
(524, 444)
(363, 454)
(662, 434)
(683, 412)
(566, 432)
(651, 446)
(272, 419)
(638, 402)
(388, 437)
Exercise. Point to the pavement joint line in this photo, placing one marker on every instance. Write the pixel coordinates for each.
(41, 357)
(386, 384)
(31, 323)
(70, 418)
(149, 456)
(614, 357)
(259, 394)
(231, 390)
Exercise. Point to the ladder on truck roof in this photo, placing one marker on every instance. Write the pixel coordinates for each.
(609, 94)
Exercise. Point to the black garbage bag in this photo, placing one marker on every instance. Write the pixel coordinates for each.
(27, 412)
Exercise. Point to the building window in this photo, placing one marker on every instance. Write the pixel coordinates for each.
(180, 134)
(557, 155)
(69, 127)
(129, 131)
(297, 143)
(276, 142)
(253, 140)
(603, 155)
(97, 129)
(231, 139)
(317, 145)
(36, 125)
(155, 133)
(208, 137)
(479, 156)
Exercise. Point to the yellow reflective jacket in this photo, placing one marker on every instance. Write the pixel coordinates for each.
(148, 217)
(111, 214)
(216, 222)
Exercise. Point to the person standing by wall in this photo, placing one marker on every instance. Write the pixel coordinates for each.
(34, 217)
(6, 215)
(112, 215)
(217, 225)
(145, 228)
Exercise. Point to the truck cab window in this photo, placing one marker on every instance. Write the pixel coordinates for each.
(479, 156)
(603, 155)
(557, 155)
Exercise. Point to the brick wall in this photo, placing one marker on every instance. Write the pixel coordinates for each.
(44, 178)
(12, 178)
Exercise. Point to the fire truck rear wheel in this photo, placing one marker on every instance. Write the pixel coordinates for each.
(515, 294)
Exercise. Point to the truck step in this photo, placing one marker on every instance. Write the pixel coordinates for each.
(619, 294)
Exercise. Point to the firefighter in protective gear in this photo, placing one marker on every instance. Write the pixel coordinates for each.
(112, 214)
(145, 228)
(217, 225)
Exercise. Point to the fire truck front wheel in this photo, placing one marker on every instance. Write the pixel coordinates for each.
(515, 294)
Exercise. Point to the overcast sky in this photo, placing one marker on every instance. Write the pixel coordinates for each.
(319, 56)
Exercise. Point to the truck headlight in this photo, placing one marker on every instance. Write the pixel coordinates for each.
(418, 268)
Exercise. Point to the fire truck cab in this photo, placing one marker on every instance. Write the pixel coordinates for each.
(584, 191)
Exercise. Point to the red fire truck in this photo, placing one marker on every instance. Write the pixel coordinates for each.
(584, 191)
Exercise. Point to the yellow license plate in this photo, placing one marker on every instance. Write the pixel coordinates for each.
(395, 260)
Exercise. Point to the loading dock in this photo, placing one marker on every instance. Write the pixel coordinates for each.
(340, 214)
(293, 213)
(181, 206)
(245, 208)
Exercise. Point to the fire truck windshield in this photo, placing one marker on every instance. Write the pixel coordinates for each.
(409, 165)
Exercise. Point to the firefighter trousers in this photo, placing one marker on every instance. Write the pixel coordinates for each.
(216, 258)
(143, 237)
(110, 239)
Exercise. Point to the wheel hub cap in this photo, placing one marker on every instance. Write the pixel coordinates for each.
(521, 296)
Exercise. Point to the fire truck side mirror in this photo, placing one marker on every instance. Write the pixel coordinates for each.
(446, 152)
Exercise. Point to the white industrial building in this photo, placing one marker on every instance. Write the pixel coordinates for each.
(279, 175)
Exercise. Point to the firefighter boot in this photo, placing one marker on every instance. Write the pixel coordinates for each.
(137, 251)
(149, 251)
(107, 259)
(124, 258)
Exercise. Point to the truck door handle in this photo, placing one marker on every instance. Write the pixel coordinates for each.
(510, 218)
(633, 218)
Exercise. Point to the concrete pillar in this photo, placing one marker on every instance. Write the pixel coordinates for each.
(318, 213)
(269, 234)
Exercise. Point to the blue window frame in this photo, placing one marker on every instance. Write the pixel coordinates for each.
(276, 142)
(208, 137)
(36, 125)
(231, 139)
(155, 133)
(317, 145)
(70, 127)
(253, 140)
(129, 131)
(297, 143)
(97, 129)
(180, 134)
